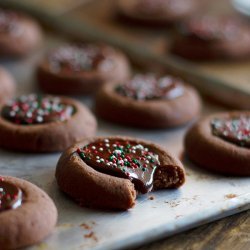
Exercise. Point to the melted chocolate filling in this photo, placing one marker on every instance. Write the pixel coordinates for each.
(10, 196)
(34, 109)
(79, 58)
(148, 87)
(122, 158)
(235, 130)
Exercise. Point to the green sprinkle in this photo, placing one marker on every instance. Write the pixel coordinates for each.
(82, 155)
(135, 161)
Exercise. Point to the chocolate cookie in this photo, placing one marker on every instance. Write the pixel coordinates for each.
(213, 37)
(36, 123)
(27, 214)
(147, 101)
(19, 34)
(81, 69)
(7, 86)
(221, 143)
(108, 172)
(156, 12)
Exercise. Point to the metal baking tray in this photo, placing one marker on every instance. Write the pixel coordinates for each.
(204, 198)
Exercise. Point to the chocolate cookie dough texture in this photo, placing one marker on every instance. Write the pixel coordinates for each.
(19, 34)
(147, 101)
(213, 38)
(109, 172)
(81, 69)
(7, 86)
(221, 143)
(36, 123)
(156, 12)
(27, 214)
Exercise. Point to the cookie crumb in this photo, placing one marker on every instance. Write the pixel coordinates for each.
(151, 197)
(230, 196)
(178, 216)
(90, 235)
(85, 226)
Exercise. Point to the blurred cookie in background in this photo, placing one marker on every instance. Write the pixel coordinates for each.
(148, 101)
(19, 34)
(79, 69)
(157, 12)
(213, 38)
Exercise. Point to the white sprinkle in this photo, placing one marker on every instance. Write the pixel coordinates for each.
(133, 151)
(97, 157)
(106, 140)
(12, 113)
(98, 161)
(39, 119)
(117, 151)
(101, 149)
(93, 147)
(29, 114)
(114, 145)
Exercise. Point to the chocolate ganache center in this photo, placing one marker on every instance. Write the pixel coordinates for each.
(148, 87)
(10, 195)
(34, 109)
(79, 58)
(235, 130)
(122, 158)
(9, 23)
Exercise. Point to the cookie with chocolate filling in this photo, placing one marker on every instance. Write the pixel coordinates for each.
(36, 123)
(27, 214)
(7, 85)
(19, 34)
(147, 101)
(213, 38)
(109, 172)
(81, 69)
(156, 12)
(221, 143)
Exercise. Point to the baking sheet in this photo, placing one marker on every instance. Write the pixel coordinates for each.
(204, 198)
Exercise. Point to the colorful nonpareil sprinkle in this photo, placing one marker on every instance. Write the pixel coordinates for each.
(149, 87)
(235, 130)
(122, 158)
(35, 109)
(78, 58)
(10, 195)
